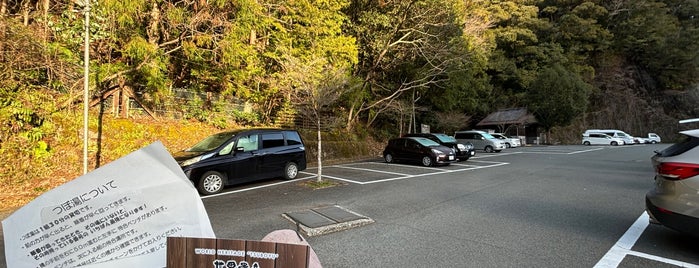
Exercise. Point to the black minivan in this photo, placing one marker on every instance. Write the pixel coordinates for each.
(239, 156)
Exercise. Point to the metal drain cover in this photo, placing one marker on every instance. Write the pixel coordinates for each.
(324, 220)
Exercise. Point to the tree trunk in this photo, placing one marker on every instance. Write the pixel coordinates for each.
(25, 13)
(3, 30)
(153, 29)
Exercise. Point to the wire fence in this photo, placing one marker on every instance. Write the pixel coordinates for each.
(185, 104)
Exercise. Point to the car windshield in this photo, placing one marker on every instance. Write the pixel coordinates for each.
(212, 142)
(488, 136)
(445, 138)
(426, 142)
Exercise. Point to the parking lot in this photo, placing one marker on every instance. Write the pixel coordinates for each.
(593, 214)
(551, 206)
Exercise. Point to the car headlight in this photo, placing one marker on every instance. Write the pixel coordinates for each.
(461, 147)
(437, 152)
(191, 161)
(194, 160)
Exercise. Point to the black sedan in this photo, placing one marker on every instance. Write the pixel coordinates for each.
(417, 149)
(463, 151)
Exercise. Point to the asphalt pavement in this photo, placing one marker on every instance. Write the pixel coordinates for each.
(544, 206)
(550, 206)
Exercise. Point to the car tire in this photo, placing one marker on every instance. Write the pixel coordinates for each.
(427, 161)
(488, 149)
(291, 170)
(211, 182)
(614, 143)
(507, 145)
(389, 158)
(586, 143)
(653, 142)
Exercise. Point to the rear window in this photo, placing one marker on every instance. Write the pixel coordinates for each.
(686, 144)
(293, 138)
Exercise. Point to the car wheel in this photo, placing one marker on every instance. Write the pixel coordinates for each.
(586, 143)
(614, 143)
(426, 161)
(653, 142)
(210, 183)
(389, 158)
(488, 149)
(507, 145)
(291, 170)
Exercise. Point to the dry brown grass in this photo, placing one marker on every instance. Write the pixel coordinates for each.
(25, 177)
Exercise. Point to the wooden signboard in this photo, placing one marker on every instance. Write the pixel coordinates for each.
(188, 252)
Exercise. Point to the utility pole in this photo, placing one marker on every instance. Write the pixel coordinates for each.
(86, 84)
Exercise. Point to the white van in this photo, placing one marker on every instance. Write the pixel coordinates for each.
(614, 133)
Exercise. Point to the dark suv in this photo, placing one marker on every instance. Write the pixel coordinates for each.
(463, 151)
(240, 156)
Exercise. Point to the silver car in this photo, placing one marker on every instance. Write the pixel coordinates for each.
(674, 201)
(481, 140)
(510, 142)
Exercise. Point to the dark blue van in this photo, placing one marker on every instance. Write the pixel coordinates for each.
(240, 156)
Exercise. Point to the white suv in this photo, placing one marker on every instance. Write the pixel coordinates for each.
(600, 139)
(674, 201)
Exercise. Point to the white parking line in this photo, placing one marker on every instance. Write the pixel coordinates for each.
(621, 248)
(370, 170)
(405, 176)
(585, 151)
(259, 187)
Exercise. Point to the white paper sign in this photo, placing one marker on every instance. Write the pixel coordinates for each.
(116, 216)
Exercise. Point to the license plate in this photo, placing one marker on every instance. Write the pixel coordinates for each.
(451, 157)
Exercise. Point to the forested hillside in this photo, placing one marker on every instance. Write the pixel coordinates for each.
(359, 66)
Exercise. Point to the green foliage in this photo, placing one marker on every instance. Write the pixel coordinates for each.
(662, 38)
(557, 96)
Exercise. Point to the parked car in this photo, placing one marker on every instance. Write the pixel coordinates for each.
(418, 149)
(640, 140)
(600, 139)
(509, 141)
(653, 138)
(463, 151)
(674, 199)
(614, 133)
(481, 140)
(239, 156)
